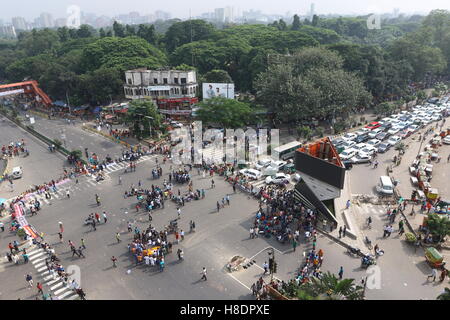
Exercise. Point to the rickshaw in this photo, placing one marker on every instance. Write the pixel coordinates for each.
(433, 257)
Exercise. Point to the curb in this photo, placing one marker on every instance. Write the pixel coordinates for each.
(86, 128)
(337, 240)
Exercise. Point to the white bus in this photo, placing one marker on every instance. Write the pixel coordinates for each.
(286, 151)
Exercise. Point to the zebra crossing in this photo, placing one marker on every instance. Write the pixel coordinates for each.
(90, 181)
(55, 284)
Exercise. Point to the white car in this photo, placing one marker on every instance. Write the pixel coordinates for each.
(251, 173)
(175, 124)
(413, 128)
(349, 136)
(348, 144)
(263, 163)
(446, 140)
(347, 154)
(369, 150)
(393, 130)
(359, 146)
(374, 133)
(278, 164)
(394, 140)
(360, 157)
(373, 143)
(279, 178)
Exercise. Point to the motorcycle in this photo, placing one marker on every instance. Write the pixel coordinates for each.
(353, 251)
(368, 261)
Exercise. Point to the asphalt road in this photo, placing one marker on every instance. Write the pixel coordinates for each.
(39, 166)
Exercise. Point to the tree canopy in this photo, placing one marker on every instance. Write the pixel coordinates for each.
(228, 113)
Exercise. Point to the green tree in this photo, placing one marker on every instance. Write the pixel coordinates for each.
(315, 20)
(304, 132)
(102, 33)
(119, 30)
(137, 117)
(296, 24)
(130, 31)
(228, 113)
(384, 108)
(184, 32)
(329, 287)
(39, 41)
(147, 32)
(217, 76)
(444, 295)
(85, 31)
(439, 226)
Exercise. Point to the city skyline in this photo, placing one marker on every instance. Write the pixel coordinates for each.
(182, 10)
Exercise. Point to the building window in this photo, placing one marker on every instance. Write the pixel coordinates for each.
(184, 91)
(175, 80)
(155, 80)
(129, 81)
(165, 80)
(183, 80)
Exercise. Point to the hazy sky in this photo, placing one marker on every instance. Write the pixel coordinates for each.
(180, 8)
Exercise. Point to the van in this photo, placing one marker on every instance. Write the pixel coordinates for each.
(385, 186)
(16, 173)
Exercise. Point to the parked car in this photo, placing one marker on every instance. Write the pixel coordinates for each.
(383, 147)
(373, 125)
(369, 150)
(446, 140)
(279, 178)
(393, 131)
(349, 136)
(347, 154)
(394, 140)
(362, 138)
(404, 133)
(360, 157)
(263, 163)
(278, 164)
(251, 173)
(358, 147)
(373, 143)
(382, 135)
(374, 133)
(348, 144)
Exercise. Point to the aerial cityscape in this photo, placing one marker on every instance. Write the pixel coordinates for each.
(247, 152)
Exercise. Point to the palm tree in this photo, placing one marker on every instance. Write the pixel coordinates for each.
(444, 295)
(439, 226)
(329, 287)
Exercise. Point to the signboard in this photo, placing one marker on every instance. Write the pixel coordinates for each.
(32, 120)
(7, 93)
(211, 90)
(159, 88)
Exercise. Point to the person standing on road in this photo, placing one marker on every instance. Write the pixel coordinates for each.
(60, 237)
(213, 185)
(61, 228)
(114, 259)
(266, 267)
(68, 194)
(203, 273)
(344, 231)
(2, 226)
(252, 233)
(228, 199)
(433, 274)
(104, 217)
(347, 205)
(294, 244)
(179, 212)
(29, 279)
(218, 206)
(39, 287)
(118, 237)
(341, 273)
(83, 244)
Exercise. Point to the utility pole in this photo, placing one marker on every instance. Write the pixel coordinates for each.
(68, 102)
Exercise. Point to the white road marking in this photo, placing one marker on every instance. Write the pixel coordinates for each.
(238, 281)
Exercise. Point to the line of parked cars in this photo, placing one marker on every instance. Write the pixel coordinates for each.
(380, 136)
(273, 172)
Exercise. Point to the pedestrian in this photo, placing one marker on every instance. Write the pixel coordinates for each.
(61, 228)
(2, 226)
(68, 194)
(228, 199)
(266, 267)
(114, 259)
(60, 237)
(234, 185)
(294, 244)
(347, 204)
(433, 274)
(344, 231)
(213, 185)
(118, 237)
(444, 274)
(39, 287)
(80, 252)
(203, 273)
(218, 206)
(97, 217)
(341, 272)
(252, 235)
(179, 212)
(29, 279)
(104, 217)
(182, 234)
(83, 244)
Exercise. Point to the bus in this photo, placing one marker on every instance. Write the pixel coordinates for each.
(286, 151)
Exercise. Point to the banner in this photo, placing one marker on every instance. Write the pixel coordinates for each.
(211, 90)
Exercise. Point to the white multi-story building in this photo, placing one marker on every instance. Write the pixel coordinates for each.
(46, 20)
(173, 91)
(143, 83)
(19, 23)
(8, 32)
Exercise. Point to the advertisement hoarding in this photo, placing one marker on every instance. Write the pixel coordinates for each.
(211, 90)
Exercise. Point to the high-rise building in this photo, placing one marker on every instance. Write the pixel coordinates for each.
(19, 23)
(61, 22)
(46, 20)
(219, 14)
(312, 10)
(8, 32)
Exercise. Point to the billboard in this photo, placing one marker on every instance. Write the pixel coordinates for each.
(211, 90)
